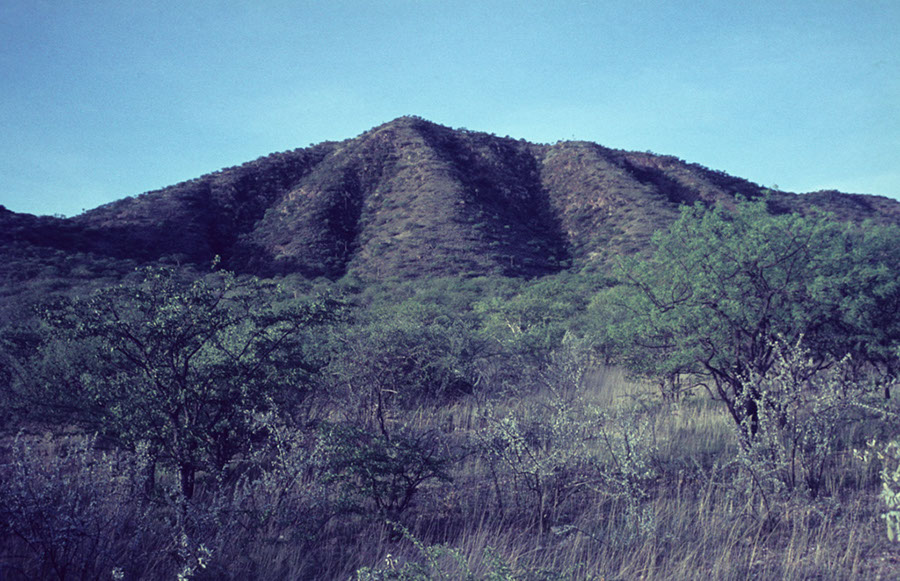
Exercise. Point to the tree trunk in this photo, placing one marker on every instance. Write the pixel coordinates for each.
(187, 480)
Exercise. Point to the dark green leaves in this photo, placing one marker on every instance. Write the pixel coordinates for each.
(184, 364)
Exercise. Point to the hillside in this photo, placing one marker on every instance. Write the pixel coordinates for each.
(408, 199)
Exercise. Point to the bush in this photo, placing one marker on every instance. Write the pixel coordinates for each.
(379, 474)
(563, 446)
(178, 364)
(443, 562)
(805, 413)
(724, 288)
(68, 511)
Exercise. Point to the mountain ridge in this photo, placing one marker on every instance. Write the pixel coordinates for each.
(412, 198)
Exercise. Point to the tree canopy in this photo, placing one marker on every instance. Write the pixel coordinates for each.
(180, 364)
(725, 289)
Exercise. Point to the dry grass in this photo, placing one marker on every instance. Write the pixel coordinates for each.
(702, 521)
(696, 518)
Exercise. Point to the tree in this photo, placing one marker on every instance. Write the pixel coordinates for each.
(402, 357)
(181, 364)
(539, 332)
(725, 290)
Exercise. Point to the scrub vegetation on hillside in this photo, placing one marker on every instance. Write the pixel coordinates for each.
(407, 199)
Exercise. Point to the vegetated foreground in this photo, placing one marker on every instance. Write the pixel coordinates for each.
(208, 425)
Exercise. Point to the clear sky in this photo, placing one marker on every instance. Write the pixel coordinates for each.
(104, 99)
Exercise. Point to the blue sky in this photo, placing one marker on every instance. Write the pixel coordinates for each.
(104, 99)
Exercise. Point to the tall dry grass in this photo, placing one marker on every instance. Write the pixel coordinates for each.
(702, 519)
(680, 506)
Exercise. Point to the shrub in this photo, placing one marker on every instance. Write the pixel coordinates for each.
(68, 511)
(178, 364)
(723, 288)
(562, 446)
(805, 412)
(447, 563)
(379, 474)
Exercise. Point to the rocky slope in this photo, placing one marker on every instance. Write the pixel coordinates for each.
(411, 198)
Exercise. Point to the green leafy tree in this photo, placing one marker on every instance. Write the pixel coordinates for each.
(181, 364)
(401, 357)
(725, 290)
(536, 331)
(864, 289)
(534, 321)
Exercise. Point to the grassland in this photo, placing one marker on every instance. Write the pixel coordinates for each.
(605, 481)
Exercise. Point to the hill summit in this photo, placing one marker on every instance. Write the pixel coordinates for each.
(412, 198)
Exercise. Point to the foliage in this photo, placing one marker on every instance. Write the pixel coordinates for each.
(180, 364)
(535, 319)
(889, 454)
(723, 290)
(540, 335)
(380, 474)
(69, 512)
(563, 445)
(540, 453)
(285, 514)
(863, 286)
(806, 418)
(442, 562)
(393, 358)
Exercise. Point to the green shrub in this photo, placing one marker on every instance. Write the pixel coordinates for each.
(178, 364)
(380, 474)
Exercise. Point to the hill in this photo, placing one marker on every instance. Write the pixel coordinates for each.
(408, 199)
